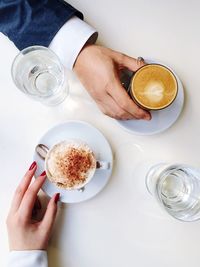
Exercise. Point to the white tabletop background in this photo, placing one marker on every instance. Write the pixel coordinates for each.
(123, 226)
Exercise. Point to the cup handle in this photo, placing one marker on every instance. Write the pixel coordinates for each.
(102, 165)
(42, 151)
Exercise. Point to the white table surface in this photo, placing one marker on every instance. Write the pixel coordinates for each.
(123, 226)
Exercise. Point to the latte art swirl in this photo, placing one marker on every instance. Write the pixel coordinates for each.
(154, 87)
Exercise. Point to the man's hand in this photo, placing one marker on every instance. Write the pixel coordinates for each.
(98, 69)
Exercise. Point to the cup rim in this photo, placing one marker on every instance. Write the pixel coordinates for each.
(151, 108)
(77, 141)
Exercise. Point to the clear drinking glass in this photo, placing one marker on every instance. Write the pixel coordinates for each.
(177, 188)
(38, 72)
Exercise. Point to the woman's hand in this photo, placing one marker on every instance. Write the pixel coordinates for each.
(23, 233)
(98, 69)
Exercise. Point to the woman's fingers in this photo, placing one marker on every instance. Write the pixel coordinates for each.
(22, 187)
(50, 214)
(28, 201)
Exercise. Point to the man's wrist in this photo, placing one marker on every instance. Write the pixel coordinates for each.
(70, 40)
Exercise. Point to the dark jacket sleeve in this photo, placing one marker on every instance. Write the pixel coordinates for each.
(34, 22)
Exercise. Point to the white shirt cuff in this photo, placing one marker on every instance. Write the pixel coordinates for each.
(28, 258)
(70, 39)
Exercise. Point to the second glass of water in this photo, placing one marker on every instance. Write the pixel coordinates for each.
(38, 72)
(177, 188)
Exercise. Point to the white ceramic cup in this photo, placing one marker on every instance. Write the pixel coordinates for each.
(44, 152)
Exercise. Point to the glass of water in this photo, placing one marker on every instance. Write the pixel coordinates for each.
(38, 72)
(177, 188)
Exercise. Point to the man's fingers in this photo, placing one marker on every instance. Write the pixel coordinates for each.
(30, 196)
(132, 63)
(50, 214)
(22, 187)
(126, 103)
(112, 109)
(118, 92)
(129, 62)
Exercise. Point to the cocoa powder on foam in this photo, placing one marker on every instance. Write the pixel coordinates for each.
(72, 165)
(75, 165)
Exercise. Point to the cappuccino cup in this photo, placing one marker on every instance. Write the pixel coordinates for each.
(153, 87)
(70, 164)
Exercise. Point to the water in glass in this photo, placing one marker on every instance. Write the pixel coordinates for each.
(38, 72)
(177, 188)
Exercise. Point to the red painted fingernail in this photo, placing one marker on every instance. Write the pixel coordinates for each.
(32, 166)
(57, 197)
(43, 173)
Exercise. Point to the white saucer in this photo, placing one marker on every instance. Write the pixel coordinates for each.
(161, 119)
(97, 142)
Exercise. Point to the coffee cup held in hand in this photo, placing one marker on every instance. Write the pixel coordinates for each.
(70, 164)
(153, 87)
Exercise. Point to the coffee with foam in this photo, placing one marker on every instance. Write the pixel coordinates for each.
(70, 164)
(154, 87)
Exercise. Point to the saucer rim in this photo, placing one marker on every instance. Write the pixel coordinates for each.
(180, 91)
(63, 191)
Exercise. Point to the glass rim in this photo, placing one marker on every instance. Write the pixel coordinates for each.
(27, 50)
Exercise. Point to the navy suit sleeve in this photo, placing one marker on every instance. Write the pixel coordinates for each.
(34, 22)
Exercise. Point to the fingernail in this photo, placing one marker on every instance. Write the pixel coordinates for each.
(32, 166)
(43, 173)
(57, 197)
